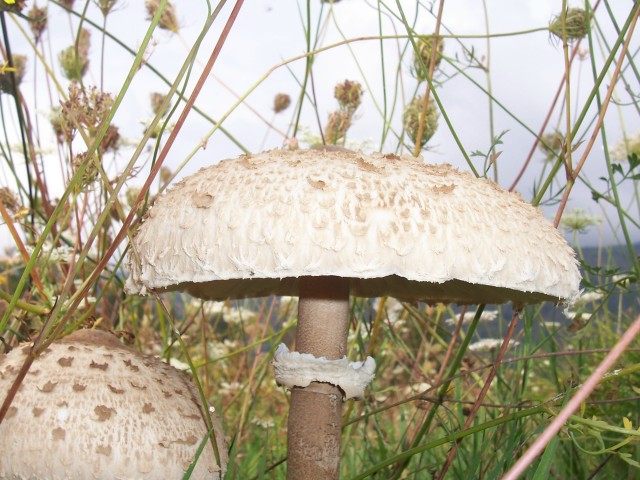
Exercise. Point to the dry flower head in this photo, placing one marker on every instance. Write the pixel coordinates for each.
(157, 100)
(15, 66)
(168, 17)
(349, 95)
(74, 60)
(411, 120)
(281, 102)
(422, 55)
(576, 22)
(37, 21)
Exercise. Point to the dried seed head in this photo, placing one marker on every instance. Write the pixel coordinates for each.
(73, 66)
(68, 4)
(86, 108)
(111, 140)
(168, 18)
(411, 120)
(577, 24)
(15, 66)
(157, 99)
(37, 21)
(281, 102)
(12, 7)
(9, 199)
(349, 95)
(165, 175)
(59, 126)
(337, 126)
(89, 174)
(551, 144)
(75, 61)
(422, 57)
(131, 195)
(106, 6)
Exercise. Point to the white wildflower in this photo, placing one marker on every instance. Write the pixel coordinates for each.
(62, 254)
(573, 315)
(552, 324)
(220, 349)
(266, 424)
(588, 297)
(578, 220)
(485, 316)
(230, 314)
(625, 147)
(87, 302)
(180, 365)
(490, 344)
(417, 388)
(394, 309)
(623, 280)
(227, 388)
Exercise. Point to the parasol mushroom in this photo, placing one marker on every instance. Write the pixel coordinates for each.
(92, 408)
(327, 224)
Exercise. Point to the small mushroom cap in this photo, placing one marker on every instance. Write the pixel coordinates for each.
(92, 408)
(393, 224)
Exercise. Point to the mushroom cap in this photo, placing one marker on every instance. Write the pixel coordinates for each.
(395, 225)
(92, 408)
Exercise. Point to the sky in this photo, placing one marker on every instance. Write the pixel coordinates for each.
(525, 71)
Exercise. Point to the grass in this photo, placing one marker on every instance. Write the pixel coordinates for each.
(73, 190)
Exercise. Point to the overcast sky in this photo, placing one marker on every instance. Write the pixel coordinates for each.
(525, 73)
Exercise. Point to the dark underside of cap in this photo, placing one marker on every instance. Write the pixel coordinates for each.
(453, 291)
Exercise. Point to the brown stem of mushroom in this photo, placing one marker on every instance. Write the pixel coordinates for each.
(315, 416)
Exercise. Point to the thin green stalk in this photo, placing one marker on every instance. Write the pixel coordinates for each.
(492, 153)
(26, 306)
(453, 368)
(406, 455)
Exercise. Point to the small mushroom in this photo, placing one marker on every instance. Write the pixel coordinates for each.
(327, 224)
(92, 408)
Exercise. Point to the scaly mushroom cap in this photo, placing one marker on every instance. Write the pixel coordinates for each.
(91, 408)
(395, 225)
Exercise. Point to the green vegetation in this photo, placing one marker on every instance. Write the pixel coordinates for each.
(74, 186)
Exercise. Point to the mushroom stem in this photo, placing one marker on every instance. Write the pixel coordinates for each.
(315, 415)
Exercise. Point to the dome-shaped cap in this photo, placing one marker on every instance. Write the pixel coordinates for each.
(394, 225)
(92, 408)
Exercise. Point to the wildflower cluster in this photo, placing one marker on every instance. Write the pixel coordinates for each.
(411, 120)
(551, 144)
(574, 24)
(625, 148)
(281, 102)
(74, 60)
(168, 17)
(37, 21)
(349, 96)
(15, 68)
(422, 55)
